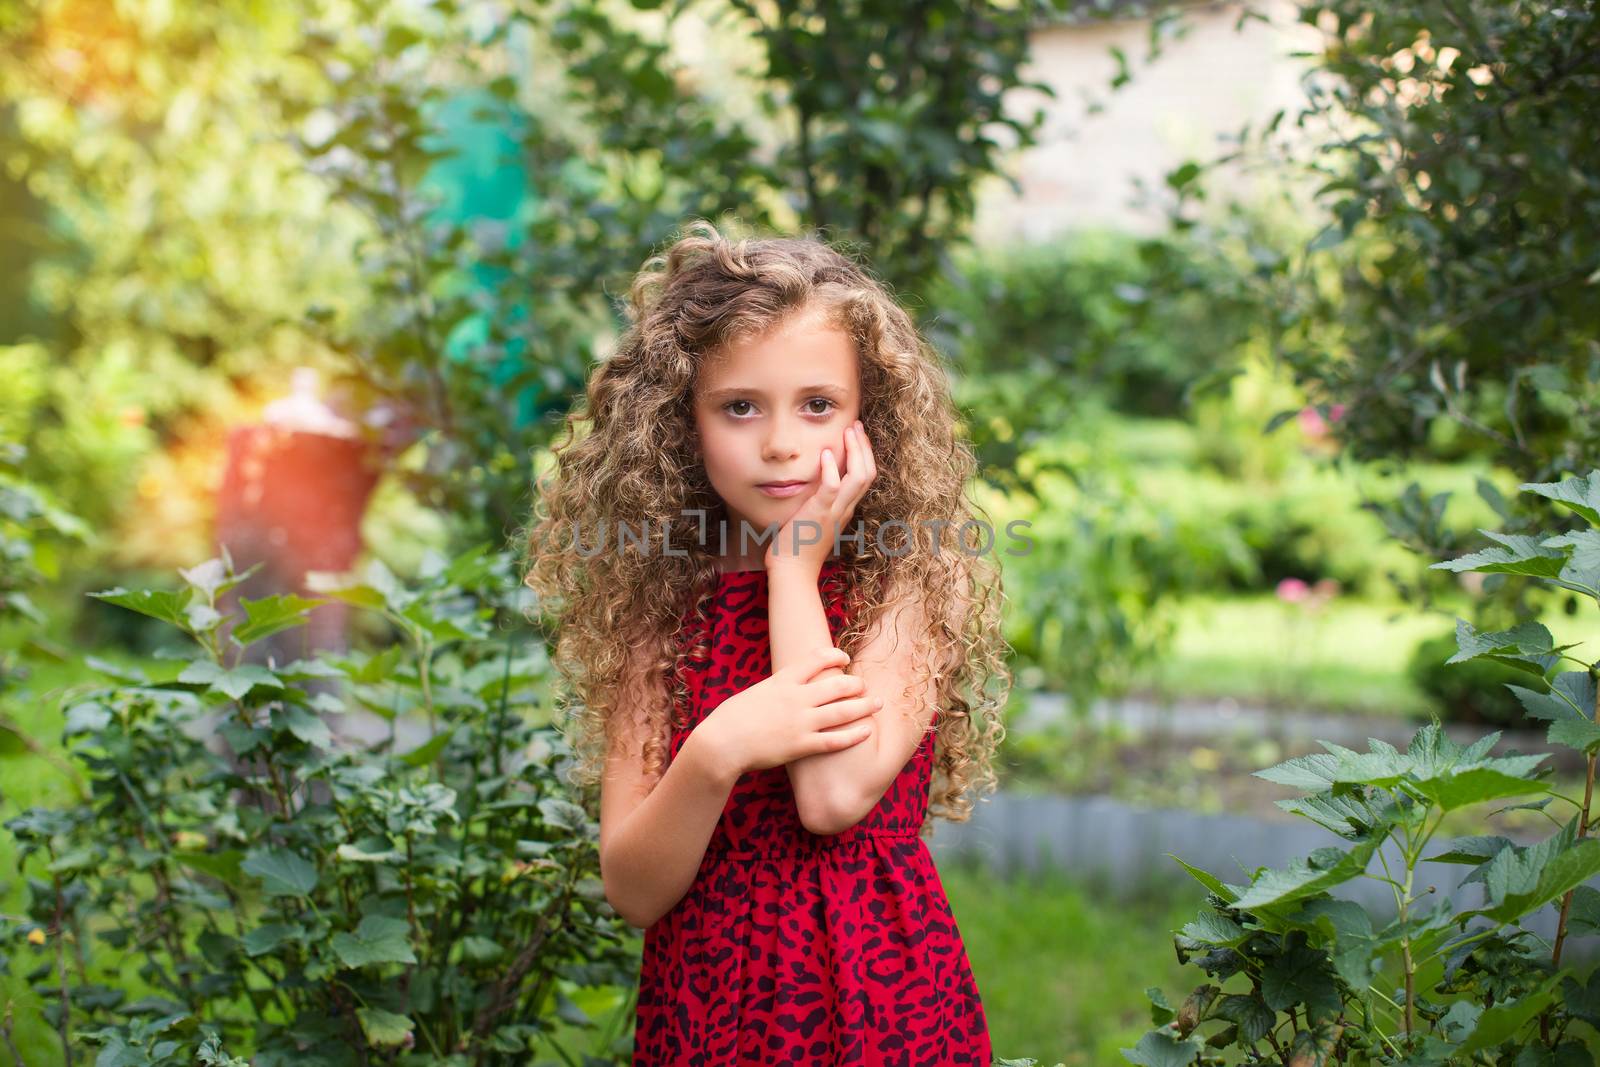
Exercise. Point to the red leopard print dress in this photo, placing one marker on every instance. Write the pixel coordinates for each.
(794, 948)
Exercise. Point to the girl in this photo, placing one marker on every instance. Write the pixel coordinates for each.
(770, 685)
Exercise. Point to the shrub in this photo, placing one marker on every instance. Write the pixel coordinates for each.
(300, 898)
(1473, 987)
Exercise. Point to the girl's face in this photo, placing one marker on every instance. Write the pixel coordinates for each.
(765, 410)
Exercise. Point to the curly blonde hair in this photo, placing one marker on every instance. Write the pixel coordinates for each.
(628, 457)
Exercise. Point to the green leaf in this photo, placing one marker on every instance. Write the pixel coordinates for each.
(233, 683)
(1571, 695)
(1473, 850)
(1249, 1013)
(384, 1029)
(1323, 868)
(1584, 918)
(378, 939)
(225, 866)
(270, 615)
(156, 603)
(211, 578)
(1493, 497)
(472, 566)
(1313, 773)
(1580, 494)
(1300, 975)
(1521, 554)
(302, 670)
(1507, 777)
(116, 671)
(1214, 929)
(1460, 1020)
(1504, 1021)
(1161, 1012)
(1582, 1001)
(1333, 918)
(1521, 880)
(283, 873)
(569, 1012)
(304, 725)
(376, 668)
(1582, 569)
(265, 939)
(1211, 882)
(379, 590)
(86, 718)
(370, 850)
(1583, 735)
(428, 751)
(1160, 1048)
(1349, 815)
(1527, 647)
(562, 814)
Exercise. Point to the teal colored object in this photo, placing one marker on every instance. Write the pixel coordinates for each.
(483, 180)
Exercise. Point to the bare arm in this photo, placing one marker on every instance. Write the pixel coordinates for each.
(834, 791)
(827, 786)
(652, 840)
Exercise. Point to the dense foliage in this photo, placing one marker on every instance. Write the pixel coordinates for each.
(1446, 303)
(33, 531)
(1313, 979)
(442, 203)
(265, 864)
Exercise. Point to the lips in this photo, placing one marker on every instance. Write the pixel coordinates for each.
(782, 490)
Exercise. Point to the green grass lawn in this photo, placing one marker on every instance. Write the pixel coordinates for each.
(1062, 966)
(1350, 656)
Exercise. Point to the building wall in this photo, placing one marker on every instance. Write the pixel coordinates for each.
(1209, 82)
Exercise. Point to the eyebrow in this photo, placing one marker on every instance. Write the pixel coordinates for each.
(739, 390)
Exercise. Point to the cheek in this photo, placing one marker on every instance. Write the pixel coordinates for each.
(713, 446)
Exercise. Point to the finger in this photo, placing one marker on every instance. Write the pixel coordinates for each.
(837, 687)
(830, 473)
(853, 456)
(845, 711)
(843, 739)
(863, 459)
(866, 449)
(820, 660)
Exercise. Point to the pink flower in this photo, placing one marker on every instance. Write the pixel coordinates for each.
(1336, 412)
(1311, 423)
(1293, 590)
(1326, 588)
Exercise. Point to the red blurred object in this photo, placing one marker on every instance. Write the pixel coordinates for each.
(292, 499)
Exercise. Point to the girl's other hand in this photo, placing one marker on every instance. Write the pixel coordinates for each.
(829, 507)
(792, 714)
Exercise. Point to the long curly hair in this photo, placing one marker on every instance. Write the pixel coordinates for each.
(628, 459)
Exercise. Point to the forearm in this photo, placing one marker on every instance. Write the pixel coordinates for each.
(826, 784)
(654, 856)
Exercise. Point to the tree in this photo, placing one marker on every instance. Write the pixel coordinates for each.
(1448, 304)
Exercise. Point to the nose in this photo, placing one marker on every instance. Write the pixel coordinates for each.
(779, 444)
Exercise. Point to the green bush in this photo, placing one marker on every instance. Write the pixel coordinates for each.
(239, 878)
(1046, 337)
(1474, 691)
(1313, 978)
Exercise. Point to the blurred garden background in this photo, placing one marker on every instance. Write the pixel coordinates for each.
(1255, 312)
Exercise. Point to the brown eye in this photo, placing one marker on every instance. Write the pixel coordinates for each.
(731, 404)
(821, 400)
